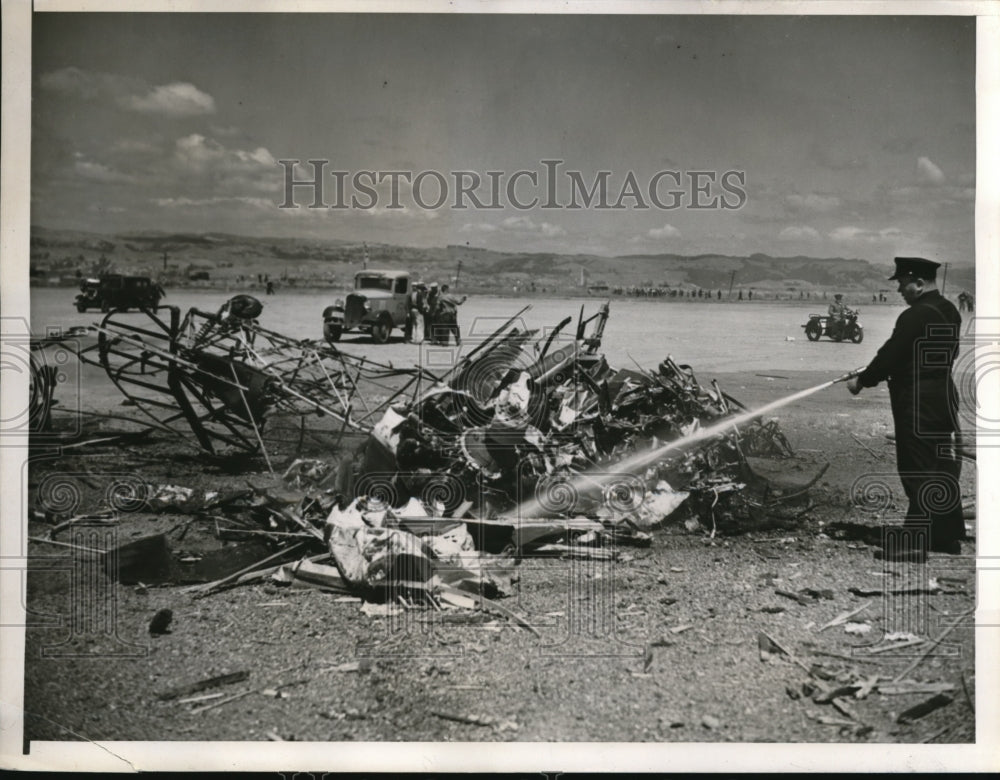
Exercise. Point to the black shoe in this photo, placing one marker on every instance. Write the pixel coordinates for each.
(953, 547)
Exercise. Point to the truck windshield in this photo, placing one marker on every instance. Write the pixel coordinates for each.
(372, 283)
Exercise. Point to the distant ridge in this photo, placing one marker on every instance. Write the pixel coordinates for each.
(56, 252)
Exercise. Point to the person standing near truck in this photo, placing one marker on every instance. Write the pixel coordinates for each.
(430, 313)
(415, 304)
(447, 316)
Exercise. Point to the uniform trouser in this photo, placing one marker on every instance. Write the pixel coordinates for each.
(444, 328)
(928, 462)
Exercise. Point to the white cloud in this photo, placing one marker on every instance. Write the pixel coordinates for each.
(88, 85)
(667, 231)
(478, 227)
(793, 232)
(929, 171)
(551, 230)
(178, 99)
(134, 146)
(100, 172)
(196, 152)
(518, 223)
(812, 202)
(849, 233)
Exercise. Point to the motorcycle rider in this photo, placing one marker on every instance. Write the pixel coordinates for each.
(836, 311)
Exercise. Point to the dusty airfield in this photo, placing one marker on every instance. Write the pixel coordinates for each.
(664, 644)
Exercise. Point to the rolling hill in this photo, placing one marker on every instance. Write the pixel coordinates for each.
(59, 256)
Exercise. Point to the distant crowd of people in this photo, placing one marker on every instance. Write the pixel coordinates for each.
(433, 310)
(676, 292)
(966, 301)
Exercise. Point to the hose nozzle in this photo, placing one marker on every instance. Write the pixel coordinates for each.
(849, 375)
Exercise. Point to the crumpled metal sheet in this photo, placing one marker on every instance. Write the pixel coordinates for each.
(538, 426)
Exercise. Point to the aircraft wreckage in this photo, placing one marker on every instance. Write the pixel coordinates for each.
(528, 424)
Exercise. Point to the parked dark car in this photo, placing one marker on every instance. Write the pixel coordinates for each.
(115, 291)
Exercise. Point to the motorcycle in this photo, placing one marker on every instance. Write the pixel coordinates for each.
(847, 327)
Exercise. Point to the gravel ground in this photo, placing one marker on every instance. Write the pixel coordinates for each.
(663, 645)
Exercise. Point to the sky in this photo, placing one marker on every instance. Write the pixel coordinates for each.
(821, 136)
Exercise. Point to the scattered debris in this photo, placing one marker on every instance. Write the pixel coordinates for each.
(225, 376)
(843, 617)
(363, 666)
(940, 638)
(219, 703)
(146, 559)
(211, 682)
(794, 596)
(198, 699)
(710, 722)
(866, 687)
(474, 720)
(531, 445)
(858, 629)
(911, 686)
(870, 450)
(897, 645)
(813, 593)
(924, 708)
(160, 624)
(828, 720)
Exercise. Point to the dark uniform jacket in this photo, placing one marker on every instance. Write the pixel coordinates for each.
(916, 361)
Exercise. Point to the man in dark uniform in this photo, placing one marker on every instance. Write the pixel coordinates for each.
(916, 361)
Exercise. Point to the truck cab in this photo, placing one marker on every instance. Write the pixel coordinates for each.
(378, 303)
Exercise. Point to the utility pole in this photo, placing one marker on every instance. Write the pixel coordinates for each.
(164, 259)
(732, 278)
(458, 272)
(365, 260)
(944, 281)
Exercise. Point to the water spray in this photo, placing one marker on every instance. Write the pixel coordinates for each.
(639, 460)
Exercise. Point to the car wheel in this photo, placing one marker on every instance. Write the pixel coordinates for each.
(381, 330)
(81, 306)
(332, 332)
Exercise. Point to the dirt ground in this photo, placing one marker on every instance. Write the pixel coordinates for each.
(664, 644)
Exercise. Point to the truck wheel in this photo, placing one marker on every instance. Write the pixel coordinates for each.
(381, 330)
(813, 331)
(332, 332)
